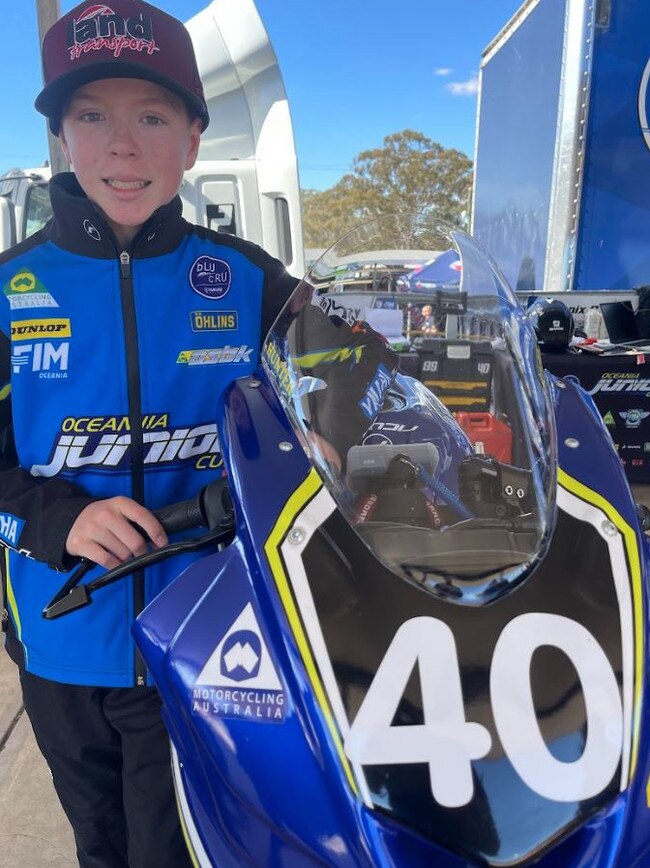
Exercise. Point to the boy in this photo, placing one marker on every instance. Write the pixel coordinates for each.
(102, 419)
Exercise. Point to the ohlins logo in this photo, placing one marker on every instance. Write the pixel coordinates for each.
(614, 382)
(98, 27)
(104, 442)
(210, 321)
(40, 328)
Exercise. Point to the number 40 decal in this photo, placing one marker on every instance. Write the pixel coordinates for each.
(448, 743)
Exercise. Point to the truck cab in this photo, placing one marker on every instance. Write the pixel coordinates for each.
(245, 181)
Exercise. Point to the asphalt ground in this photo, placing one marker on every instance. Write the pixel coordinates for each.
(34, 831)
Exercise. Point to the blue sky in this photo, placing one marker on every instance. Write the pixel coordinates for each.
(355, 71)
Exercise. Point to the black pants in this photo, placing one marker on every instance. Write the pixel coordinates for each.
(108, 752)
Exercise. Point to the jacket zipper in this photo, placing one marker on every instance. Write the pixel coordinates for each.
(135, 423)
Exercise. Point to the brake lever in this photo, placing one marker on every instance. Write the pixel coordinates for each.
(74, 596)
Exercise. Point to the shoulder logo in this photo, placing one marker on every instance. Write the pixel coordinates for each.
(91, 230)
(25, 290)
(210, 277)
(240, 679)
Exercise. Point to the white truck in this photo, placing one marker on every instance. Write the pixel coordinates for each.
(245, 181)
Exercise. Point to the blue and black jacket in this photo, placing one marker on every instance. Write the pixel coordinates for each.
(111, 365)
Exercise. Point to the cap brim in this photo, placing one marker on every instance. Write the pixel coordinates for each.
(52, 98)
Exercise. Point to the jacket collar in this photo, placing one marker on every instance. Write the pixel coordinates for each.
(80, 227)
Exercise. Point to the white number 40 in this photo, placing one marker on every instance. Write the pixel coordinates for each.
(448, 743)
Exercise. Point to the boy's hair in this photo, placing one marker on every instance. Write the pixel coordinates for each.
(129, 39)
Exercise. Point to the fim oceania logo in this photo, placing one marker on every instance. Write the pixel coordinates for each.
(239, 679)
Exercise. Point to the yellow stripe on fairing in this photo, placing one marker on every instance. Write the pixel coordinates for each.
(304, 493)
(186, 834)
(632, 549)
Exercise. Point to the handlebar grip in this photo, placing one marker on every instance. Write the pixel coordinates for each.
(184, 515)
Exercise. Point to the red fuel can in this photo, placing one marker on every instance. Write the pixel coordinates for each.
(489, 435)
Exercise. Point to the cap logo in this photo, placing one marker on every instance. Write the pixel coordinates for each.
(98, 27)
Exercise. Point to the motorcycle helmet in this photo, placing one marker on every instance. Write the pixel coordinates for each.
(553, 323)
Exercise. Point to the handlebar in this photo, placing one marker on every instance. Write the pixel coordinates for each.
(211, 508)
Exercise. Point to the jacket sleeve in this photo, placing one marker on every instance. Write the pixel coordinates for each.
(35, 515)
(278, 288)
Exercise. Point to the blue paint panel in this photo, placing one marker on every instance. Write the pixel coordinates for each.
(615, 216)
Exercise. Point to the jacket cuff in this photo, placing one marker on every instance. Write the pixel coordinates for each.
(67, 511)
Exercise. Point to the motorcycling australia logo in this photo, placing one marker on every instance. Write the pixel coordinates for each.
(210, 277)
(25, 290)
(239, 679)
(98, 28)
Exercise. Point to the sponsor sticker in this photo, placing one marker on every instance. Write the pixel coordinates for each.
(30, 329)
(46, 359)
(239, 679)
(218, 356)
(105, 442)
(633, 418)
(99, 28)
(25, 290)
(210, 277)
(214, 321)
(371, 402)
(10, 528)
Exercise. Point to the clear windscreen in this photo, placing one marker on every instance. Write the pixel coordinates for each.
(413, 381)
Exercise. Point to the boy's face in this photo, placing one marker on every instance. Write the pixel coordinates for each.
(129, 142)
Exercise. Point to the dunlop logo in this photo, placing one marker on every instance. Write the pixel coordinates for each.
(33, 329)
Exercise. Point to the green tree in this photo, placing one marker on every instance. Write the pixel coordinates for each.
(410, 173)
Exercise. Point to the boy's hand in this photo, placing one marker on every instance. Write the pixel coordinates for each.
(104, 533)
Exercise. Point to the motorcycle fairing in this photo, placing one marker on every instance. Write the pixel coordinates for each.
(334, 590)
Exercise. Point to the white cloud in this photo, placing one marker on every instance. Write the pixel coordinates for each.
(464, 88)
(443, 70)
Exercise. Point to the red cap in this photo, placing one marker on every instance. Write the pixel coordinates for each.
(128, 39)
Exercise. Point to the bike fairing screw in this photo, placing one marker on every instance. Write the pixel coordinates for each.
(296, 536)
(572, 443)
(609, 529)
(254, 384)
(285, 446)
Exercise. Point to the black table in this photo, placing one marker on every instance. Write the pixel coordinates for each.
(620, 387)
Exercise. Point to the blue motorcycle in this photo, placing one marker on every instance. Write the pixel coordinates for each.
(418, 634)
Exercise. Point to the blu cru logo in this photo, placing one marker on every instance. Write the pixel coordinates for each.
(210, 277)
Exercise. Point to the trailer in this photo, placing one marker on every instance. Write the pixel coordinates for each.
(561, 194)
(245, 181)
